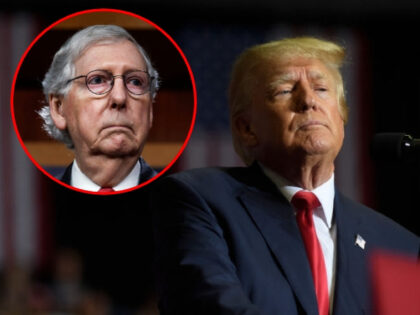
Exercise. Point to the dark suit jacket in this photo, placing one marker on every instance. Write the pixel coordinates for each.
(145, 174)
(227, 242)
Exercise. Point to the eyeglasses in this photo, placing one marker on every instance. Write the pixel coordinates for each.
(101, 81)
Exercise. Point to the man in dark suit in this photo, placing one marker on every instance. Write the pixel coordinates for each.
(275, 237)
(100, 89)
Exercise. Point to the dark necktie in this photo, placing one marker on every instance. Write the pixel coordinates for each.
(106, 189)
(305, 202)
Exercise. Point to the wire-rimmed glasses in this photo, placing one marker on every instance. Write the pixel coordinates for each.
(100, 82)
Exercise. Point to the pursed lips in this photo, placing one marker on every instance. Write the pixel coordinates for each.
(117, 126)
(311, 123)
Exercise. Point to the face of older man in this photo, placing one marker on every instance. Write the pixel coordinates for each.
(116, 123)
(295, 111)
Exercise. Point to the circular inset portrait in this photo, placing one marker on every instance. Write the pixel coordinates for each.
(103, 101)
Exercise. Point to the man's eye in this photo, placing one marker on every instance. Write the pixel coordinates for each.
(97, 79)
(282, 92)
(135, 81)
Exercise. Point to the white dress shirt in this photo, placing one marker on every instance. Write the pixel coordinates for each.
(81, 181)
(323, 219)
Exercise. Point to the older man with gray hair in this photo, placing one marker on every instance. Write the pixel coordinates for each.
(100, 90)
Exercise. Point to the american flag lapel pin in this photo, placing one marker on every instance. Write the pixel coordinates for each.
(360, 242)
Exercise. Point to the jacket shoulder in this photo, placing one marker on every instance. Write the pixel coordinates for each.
(386, 231)
(208, 179)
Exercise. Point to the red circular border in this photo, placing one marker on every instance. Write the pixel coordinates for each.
(192, 82)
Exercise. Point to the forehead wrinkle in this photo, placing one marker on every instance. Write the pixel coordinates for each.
(317, 75)
(294, 76)
(100, 60)
(284, 77)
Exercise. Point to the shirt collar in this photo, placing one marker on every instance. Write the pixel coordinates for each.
(81, 181)
(325, 193)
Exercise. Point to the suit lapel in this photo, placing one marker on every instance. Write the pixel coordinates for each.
(275, 220)
(146, 172)
(351, 291)
(66, 176)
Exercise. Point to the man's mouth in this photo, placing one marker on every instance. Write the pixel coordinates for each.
(311, 124)
(117, 126)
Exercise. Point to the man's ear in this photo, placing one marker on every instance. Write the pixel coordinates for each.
(56, 110)
(243, 128)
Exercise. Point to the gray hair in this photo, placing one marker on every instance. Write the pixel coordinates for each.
(62, 69)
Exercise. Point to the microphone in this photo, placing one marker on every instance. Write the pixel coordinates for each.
(394, 146)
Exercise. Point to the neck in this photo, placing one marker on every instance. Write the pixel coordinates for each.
(307, 173)
(105, 171)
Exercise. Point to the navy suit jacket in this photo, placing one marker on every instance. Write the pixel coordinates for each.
(227, 242)
(146, 172)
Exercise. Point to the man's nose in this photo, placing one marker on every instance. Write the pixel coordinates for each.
(118, 93)
(306, 98)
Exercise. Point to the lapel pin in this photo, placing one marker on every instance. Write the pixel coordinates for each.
(360, 242)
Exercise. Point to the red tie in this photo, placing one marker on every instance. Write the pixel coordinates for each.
(106, 189)
(305, 202)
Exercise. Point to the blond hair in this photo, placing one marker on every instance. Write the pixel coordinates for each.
(244, 75)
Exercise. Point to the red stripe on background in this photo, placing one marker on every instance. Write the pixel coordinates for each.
(44, 206)
(365, 117)
(6, 142)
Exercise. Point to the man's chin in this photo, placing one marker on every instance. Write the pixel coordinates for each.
(317, 143)
(118, 149)
(113, 154)
(317, 147)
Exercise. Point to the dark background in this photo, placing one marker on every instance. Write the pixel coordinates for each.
(114, 239)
